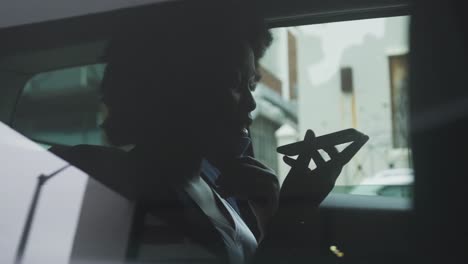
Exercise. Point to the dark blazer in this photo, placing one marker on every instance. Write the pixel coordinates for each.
(163, 216)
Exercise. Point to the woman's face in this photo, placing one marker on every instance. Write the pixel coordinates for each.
(232, 112)
(212, 120)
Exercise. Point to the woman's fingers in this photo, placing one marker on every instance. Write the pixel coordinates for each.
(303, 160)
(290, 161)
(318, 159)
(316, 156)
(291, 149)
(332, 152)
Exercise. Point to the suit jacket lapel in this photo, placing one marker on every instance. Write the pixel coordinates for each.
(210, 173)
(179, 210)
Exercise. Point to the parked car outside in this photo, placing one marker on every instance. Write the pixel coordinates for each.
(391, 183)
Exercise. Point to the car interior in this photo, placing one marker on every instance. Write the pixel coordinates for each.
(427, 226)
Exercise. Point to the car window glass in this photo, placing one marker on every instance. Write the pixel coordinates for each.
(334, 76)
(324, 77)
(62, 107)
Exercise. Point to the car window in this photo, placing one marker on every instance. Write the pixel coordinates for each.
(324, 77)
(62, 107)
(334, 76)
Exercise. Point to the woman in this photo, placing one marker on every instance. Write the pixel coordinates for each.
(178, 87)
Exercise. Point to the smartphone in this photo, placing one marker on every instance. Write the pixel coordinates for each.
(324, 142)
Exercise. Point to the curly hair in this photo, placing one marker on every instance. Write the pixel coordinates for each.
(173, 54)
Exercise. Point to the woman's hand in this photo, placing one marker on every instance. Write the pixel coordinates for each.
(303, 189)
(247, 178)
